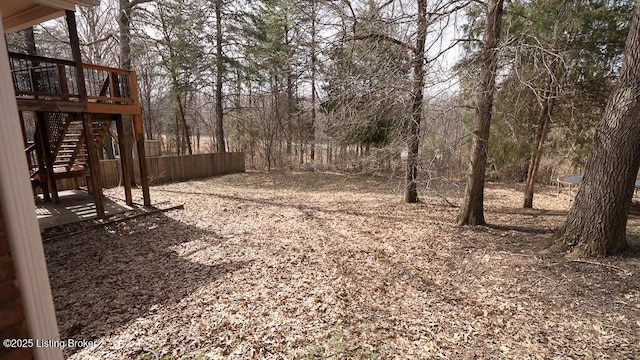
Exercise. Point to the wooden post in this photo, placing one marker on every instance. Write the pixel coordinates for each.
(41, 164)
(25, 141)
(62, 76)
(47, 158)
(139, 135)
(94, 164)
(24, 131)
(142, 158)
(124, 160)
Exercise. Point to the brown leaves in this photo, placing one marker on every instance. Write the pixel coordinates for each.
(311, 265)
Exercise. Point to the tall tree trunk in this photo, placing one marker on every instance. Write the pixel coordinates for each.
(413, 143)
(472, 211)
(544, 118)
(30, 41)
(314, 94)
(289, 130)
(181, 120)
(178, 135)
(146, 105)
(289, 116)
(106, 151)
(185, 126)
(596, 224)
(219, 69)
(124, 26)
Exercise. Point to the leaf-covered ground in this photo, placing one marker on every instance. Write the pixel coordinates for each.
(317, 265)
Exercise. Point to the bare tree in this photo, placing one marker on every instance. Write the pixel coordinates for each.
(219, 71)
(124, 25)
(413, 144)
(472, 210)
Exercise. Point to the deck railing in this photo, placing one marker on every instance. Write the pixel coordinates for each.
(43, 78)
(40, 77)
(108, 85)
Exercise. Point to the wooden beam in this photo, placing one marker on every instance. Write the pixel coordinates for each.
(94, 164)
(40, 59)
(24, 132)
(48, 158)
(124, 160)
(76, 107)
(97, 108)
(51, 105)
(44, 95)
(110, 100)
(44, 183)
(72, 174)
(142, 158)
(108, 69)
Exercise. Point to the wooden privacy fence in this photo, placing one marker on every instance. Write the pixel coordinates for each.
(166, 169)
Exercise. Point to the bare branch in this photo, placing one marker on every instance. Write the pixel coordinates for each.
(103, 39)
(382, 37)
(135, 3)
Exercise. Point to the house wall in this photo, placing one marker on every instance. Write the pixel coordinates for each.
(13, 324)
(23, 261)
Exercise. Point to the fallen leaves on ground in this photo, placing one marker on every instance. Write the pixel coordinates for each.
(304, 265)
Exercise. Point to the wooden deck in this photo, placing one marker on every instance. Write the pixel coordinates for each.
(62, 92)
(52, 85)
(75, 206)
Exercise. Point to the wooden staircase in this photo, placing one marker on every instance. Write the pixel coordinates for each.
(71, 152)
(68, 149)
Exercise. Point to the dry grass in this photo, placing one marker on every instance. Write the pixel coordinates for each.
(316, 266)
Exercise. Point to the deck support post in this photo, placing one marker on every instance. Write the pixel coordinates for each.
(124, 159)
(142, 158)
(47, 158)
(94, 163)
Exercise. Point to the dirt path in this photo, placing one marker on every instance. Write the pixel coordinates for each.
(313, 266)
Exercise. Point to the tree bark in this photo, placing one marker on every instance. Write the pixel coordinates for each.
(178, 134)
(596, 224)
(30, 41)
(124, 26)
(544, 118)
(183, 120)
(178, 94)
(219, 68)
(106, 150)
(472, 211)
(147, 111)
(413, 143)
(312, 151)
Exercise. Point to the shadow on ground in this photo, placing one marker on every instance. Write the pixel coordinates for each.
(105, 278)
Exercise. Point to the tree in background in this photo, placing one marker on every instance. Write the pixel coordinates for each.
(181, 27)
(126, 10)
(597, 222)
(417, 95)
(220, 143)
(561, 53)
(472, 210)
(274, 36)
(366, 83)
(419, 40)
